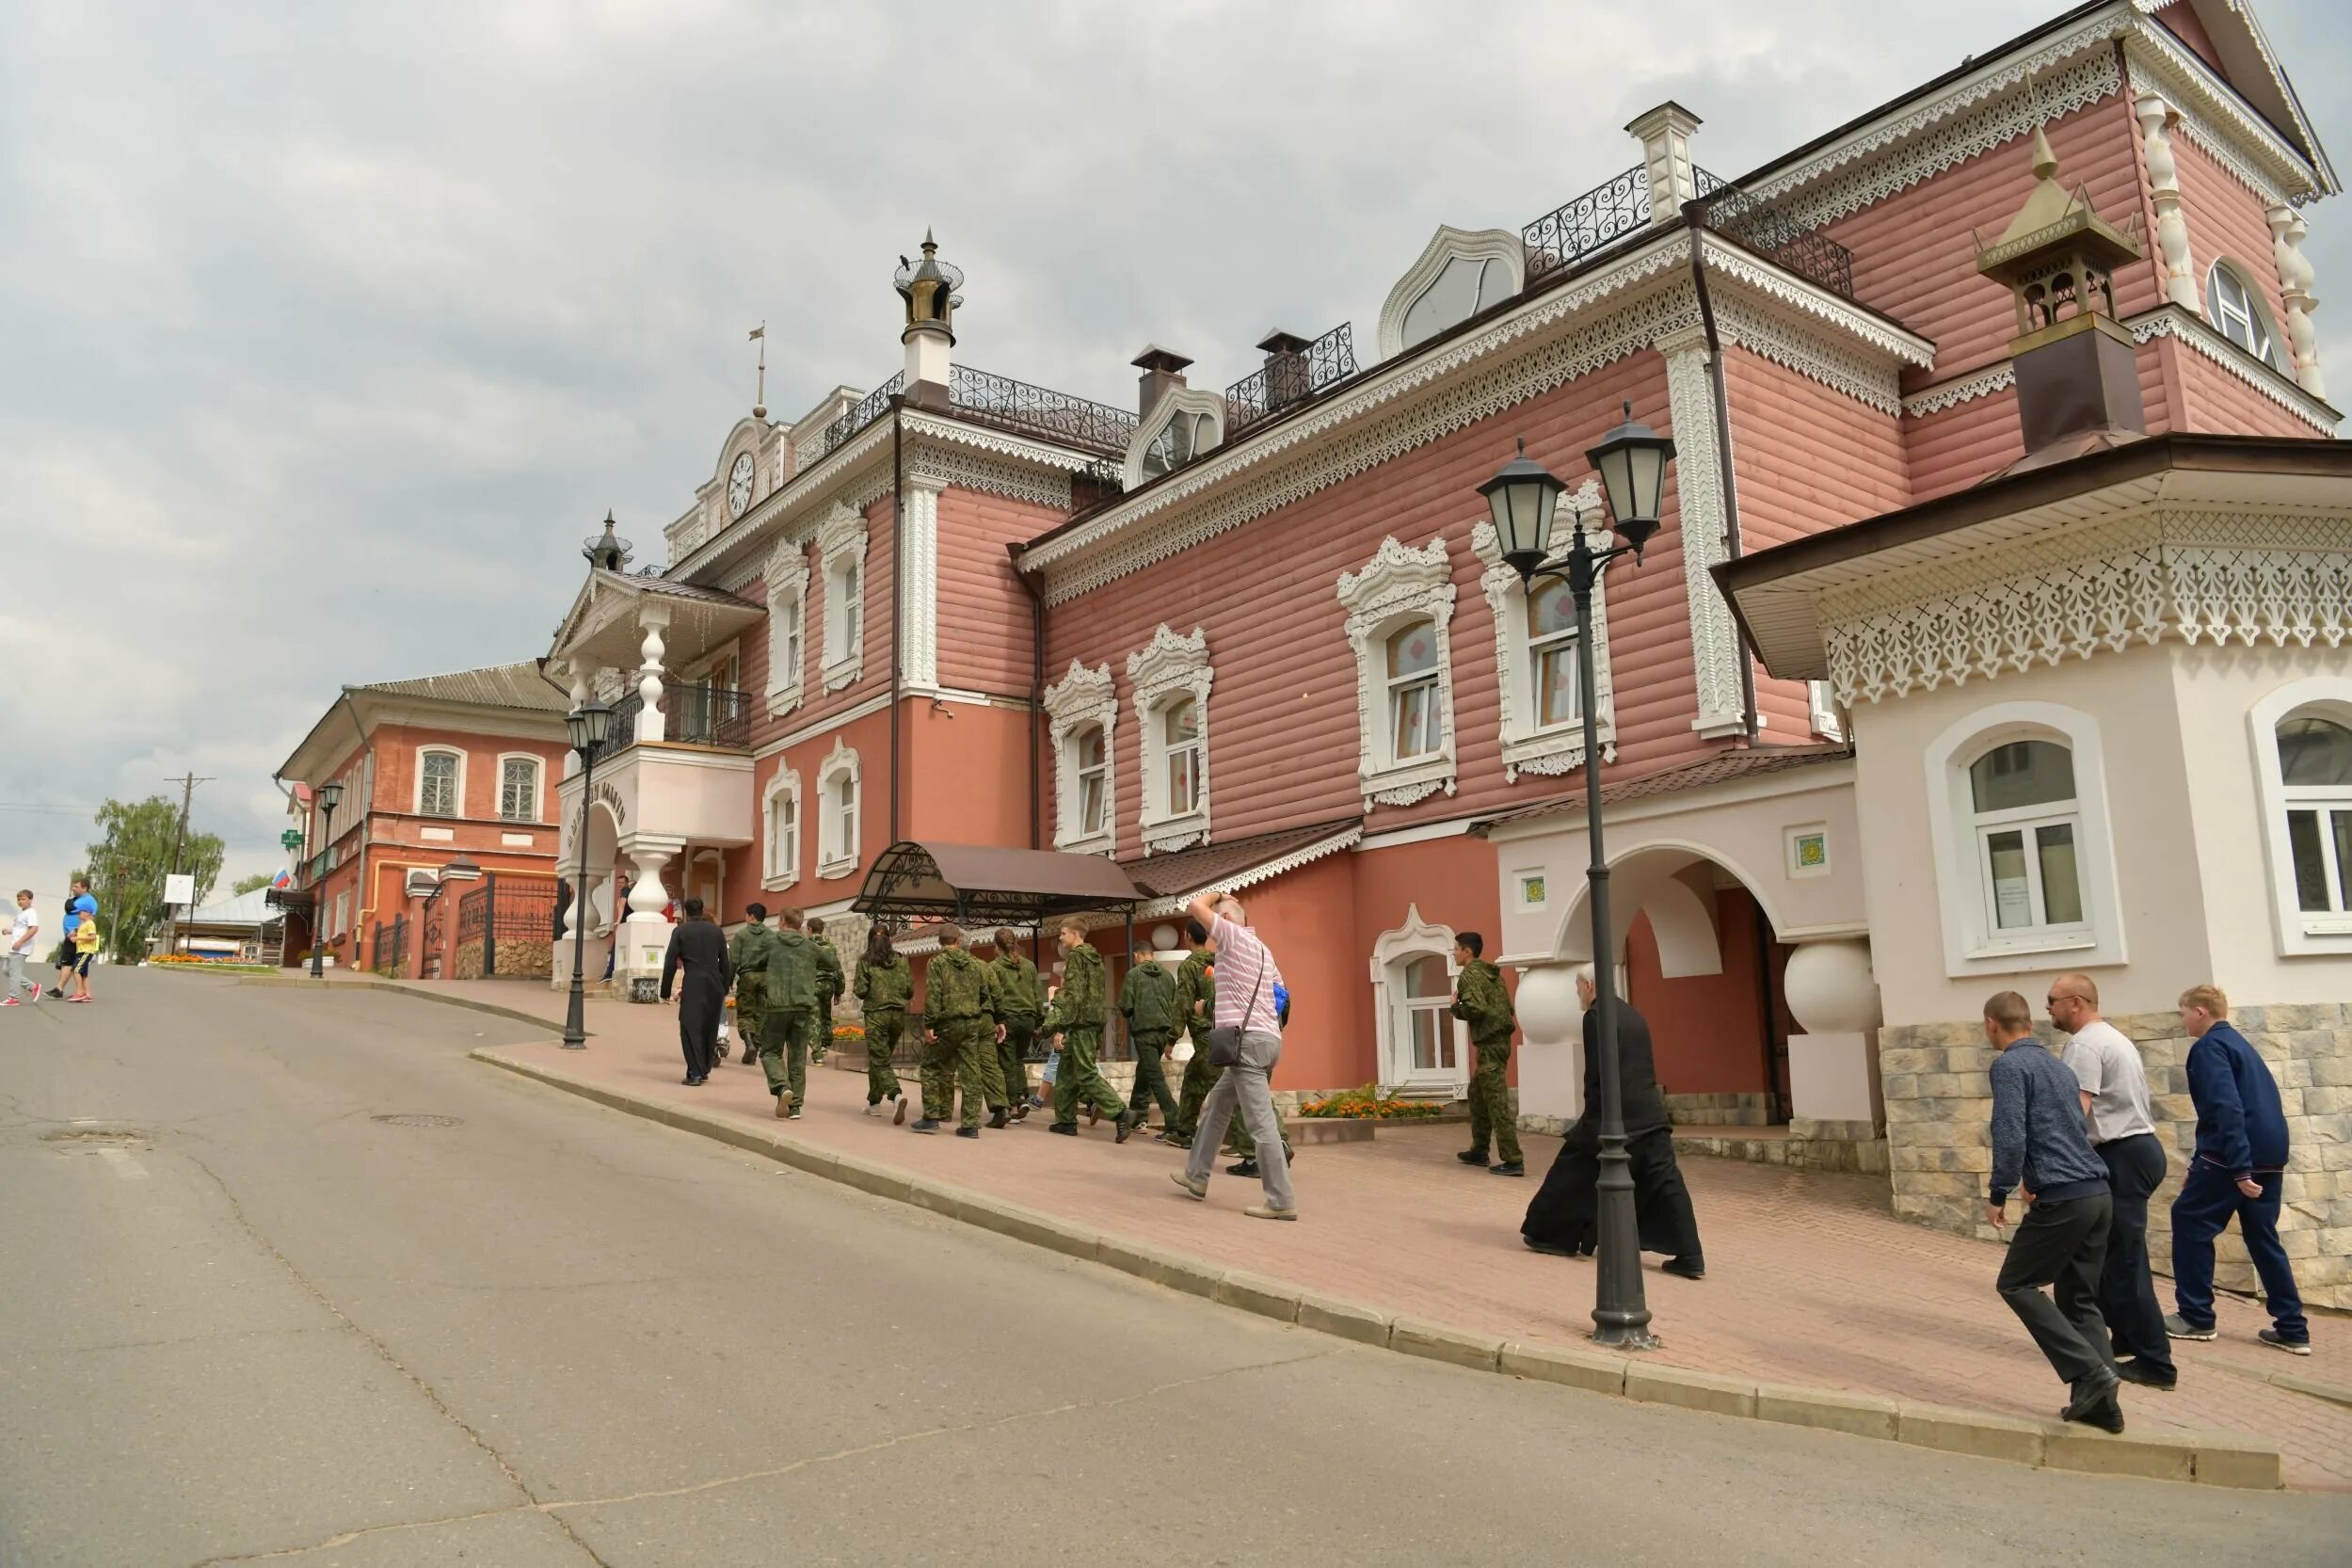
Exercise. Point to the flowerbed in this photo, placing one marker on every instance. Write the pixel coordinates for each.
(1370, 1104)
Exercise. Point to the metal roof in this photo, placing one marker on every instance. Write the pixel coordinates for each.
(521, 685)
(1688, 776)
(978, 885)
(1243, 861)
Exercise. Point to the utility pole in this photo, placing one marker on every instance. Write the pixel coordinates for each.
(188, 783)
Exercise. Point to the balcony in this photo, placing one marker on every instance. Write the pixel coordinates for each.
(1009, 404)
(693, 715)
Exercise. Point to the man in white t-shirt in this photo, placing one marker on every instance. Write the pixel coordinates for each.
(23, 933)
(2122, 1126)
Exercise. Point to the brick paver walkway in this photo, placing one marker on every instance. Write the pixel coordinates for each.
(1810, 1280)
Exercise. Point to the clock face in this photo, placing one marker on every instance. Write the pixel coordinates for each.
(738, 487)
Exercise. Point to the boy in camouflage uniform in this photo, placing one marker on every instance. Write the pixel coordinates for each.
(1149, 1001)
(1075, 1018)
(959, 1036)
(1196, 1003)
(829, 990)
(1020, 1003)
(748, 956)
(1481, 1002)
(792, 1015)
(884, 986)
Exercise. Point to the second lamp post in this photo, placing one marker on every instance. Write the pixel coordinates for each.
(590, 722)
(1523, 496)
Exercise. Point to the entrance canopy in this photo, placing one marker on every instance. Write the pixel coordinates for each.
(978, 885)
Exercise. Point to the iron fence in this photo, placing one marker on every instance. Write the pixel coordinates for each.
(697, 715)
(864, 412)
(388, 946)
(506, 928)
(1756, 224)
(1609, 211)
(1039, 410)
(1291, 377)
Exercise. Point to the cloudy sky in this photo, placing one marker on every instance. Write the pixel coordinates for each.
(326, 332)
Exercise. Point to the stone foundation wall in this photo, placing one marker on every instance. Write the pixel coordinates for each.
(1939, 1105)
(1722, 1110)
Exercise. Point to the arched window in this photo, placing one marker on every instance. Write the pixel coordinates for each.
(1552, 655)
(2315, 771)
(781, 851)
(1180, 751)
(440, 782)
(1428, 1013)
(1083, 713)
(1413, 695)
(2237, 310)
(1424, 1051)
(1466, 286)
(1183, 437)
(838, 845)
(2027, 826)
(518, 788)
(1090, 764)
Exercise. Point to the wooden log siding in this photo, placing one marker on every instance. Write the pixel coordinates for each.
(984, 619)
(816, 703)
(2213, 398)
(1282, 713)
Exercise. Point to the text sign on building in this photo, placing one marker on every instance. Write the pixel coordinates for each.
(179, 887)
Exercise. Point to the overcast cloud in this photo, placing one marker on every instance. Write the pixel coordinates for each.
(328, 331)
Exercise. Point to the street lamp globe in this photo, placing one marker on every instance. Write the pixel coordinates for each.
(588, 723)
(1631, 461)
(1523, 496)
(330, 796)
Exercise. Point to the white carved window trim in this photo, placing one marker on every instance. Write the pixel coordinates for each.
(841, 549)
(535, 811)
(457, 796)
(1179, 402)
(2327, 696)
(1166, 668)
(1821, 704)
(1499, 247)
(1972, 946)
(1398, 587)
(2244, 306)
(1081, 700)
(1393, 953)
(780, 855)
(838, 790)
(1526, 747)
(788, 626)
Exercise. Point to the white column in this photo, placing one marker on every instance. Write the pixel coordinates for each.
(1715, 651)
(2156, 120)
(1834, 996)
(654, 619)
(575, 675)
(919, 624)
(1551, 1051)
(644, 934)
(1664, 133)
(2295, 277)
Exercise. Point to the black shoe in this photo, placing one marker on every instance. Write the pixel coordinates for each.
(1124, 1127)
(1068, 1129)
(1242, 1168)
(1688, 1268)
(1021, 1112)
(690, 1081)
(2095, 1403)
(1000, 1116)
(1509, 1167)
(928, 1124)
(968, 1132)
(1471, 1157)
(2277, 1341)
(1549, 1248)
(2147, 1376)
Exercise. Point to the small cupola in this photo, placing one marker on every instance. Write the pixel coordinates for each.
(929, 288)
(2077, 384)
(608, 551)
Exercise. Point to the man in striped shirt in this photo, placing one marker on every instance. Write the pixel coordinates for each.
(1246, 980)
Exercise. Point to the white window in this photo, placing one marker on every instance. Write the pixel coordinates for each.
(342, 915)
(440, 782)
(1400, 607)
(1182, 425)
(780, 851)
(518, 788)
(841, 544)
(1179, 440)
(1083, 713)
(787, 620)
(1552, 655)
(2237, 310)
(1458, 274)
(1172, 679)
(1424, 1048)
(838, 848)
(2024, 863)
(1536, 658)
(2302, 737)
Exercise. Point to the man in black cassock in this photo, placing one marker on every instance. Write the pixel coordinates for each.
(1564, 1219)
(699, 946)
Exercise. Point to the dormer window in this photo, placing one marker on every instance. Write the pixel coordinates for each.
(1181, 440)
(2237, 310)
(1459, 274)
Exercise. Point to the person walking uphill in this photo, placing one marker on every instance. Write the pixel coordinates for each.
(2237, 1168)
(1248, 1033)
(1481, 1002)
(2038, 1144)
(1074, 1018)
(959, 1036)
(1020, 1003)
(829, 989)
(699, 948)
(884, 985)
(1149, 1001)
(792, 1015)
(748, 955)
(1196, 1001)
(22, 939)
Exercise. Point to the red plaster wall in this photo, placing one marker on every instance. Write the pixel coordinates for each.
(870, 737)
(1705, 1030)
(1453, 884)
(1307, 919)
(968, 774)
(985, 613)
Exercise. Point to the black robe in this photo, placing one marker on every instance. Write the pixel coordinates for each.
(1565, 1209)
(701, 948)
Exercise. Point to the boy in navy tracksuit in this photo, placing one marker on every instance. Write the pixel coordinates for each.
(2238, 1169)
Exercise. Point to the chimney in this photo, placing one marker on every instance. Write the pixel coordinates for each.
(1664, 133)
(1163, 369)
(1287, 369)
(929, 288)
(2077, 384)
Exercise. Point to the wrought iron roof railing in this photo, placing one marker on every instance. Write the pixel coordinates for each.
(864, 413)
(1039, 410)
(1620, 206)
(1290, 378)
(1609, 211)
(1740, 216)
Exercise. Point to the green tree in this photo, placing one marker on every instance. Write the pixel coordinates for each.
(253, 884)
(129, 862)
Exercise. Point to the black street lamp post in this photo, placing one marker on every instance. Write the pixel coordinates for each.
(330, 796)
(588, 723)
(1523, 495)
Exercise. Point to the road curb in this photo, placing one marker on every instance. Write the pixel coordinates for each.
(2212, 1459)
(353, 982)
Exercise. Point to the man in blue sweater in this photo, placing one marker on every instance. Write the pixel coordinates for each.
(2239, 1168)
(2039, 1147)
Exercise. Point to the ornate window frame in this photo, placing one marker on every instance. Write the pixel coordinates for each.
(1971, 946)
(2328, 697)
(537, 807)
(1393, 953)
(1167, 668)
(779, 862)
(416, 788)
(841, 538)
(1526, 747)
(1447, 245)
(1082, 699)
(840, 768)
(786, 576)
(1399, 587)
(1188, 402)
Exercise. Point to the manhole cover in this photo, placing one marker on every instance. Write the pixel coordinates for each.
(100, 1135)
(410, 1118)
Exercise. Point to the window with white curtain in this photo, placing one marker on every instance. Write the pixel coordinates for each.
(838, 846)
(2315, 770)
(1552, 678)
(1180, 755)
(1414, 697)
(1091, 763)
(782, 825)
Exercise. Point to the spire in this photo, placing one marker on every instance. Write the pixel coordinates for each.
(2045, 161)
(929, 288)
(608, 551)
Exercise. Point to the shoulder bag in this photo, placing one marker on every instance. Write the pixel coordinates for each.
(1224, 1045)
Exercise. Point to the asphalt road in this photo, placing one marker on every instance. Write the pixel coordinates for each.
(269, 1323)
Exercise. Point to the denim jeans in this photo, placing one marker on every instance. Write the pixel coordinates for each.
(1246, 1086)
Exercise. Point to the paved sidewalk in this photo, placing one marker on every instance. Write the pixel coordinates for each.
(1810, 1281)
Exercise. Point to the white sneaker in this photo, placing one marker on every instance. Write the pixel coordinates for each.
(873, 1110)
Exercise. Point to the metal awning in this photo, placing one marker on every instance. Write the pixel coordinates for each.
(978, 885)
(290, 898)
